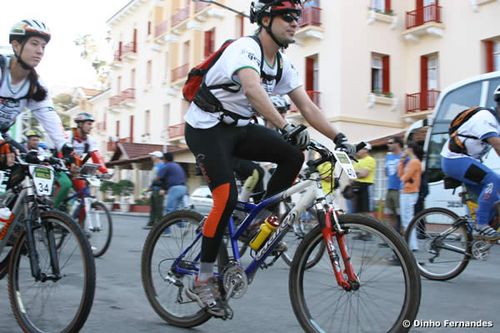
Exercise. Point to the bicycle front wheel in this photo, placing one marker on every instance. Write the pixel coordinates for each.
(100, 228)
(443, 248)
(389, 283)
(55, 302)
(164, 280)
(293, 238)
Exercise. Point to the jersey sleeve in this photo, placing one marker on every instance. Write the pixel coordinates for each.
(51, 123)
(289, 79)
(243, 53)
(486, 126)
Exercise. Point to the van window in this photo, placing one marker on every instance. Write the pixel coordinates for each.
(459, 100)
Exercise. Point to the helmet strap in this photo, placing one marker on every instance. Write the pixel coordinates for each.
(21, 62)
(271, 34)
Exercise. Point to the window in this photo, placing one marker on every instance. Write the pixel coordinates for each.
(383, 6)
(149, 70)
(131, 134)
(166, 120)
(119, 84)
(433, 72)
(492, 48)
(132, 78)
(380, 74)
(209, 42)
(117, 129)
(185, 52)
(496, 56)
(149, 28)
(147, 122)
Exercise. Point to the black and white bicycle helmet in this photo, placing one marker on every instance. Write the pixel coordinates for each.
(29, 28)
(280, 103)
(496, 94)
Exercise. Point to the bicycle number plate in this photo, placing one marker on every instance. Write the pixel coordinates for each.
(43, 179)
(345, 162)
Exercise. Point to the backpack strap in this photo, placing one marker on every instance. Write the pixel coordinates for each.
(279, 62)
(3, 64)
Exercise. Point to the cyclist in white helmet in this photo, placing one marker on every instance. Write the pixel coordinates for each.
(20, 86)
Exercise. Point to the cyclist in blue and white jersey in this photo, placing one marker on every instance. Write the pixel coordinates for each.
(478, 135)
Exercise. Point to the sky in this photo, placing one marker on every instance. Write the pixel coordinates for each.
(62, 67)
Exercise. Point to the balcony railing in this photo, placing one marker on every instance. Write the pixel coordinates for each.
(117, 56)
(310, 16)
(181, 15)
(175, 131)
(420, 16)
(180, 72)
(128, 95)
(199, 6)
(421, 101)
(115, 100)
(161, 28)
(129, 48)
(314, 95)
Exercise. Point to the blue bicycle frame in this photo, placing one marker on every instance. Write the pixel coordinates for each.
(253, 211)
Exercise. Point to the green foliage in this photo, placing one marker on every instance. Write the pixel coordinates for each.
(106, 185)
(123, 187)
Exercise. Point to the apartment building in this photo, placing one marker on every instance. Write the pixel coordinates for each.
(373, 66)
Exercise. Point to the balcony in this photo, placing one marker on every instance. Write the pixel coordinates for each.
(180, 17)
(160, 31)
(421, 101)
(115, 101)
(199, 6)
(130, 51)
(314, 95)
(128, 97)
(422, 21)
(176, 132)
(310, 24)
(179, 73)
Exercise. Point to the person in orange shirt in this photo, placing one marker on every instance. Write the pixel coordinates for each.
(410, 173)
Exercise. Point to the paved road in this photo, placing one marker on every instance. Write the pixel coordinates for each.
(121, 306)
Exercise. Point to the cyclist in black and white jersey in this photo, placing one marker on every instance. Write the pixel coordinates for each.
(249, 70)
(20, 86)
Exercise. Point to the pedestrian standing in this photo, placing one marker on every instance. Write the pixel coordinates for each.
(391, 207)
(410, 172)
(155, 188)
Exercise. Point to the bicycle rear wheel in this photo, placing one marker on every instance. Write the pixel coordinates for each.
(101, 229)
(163, 283)
(389, 289)
(4, 263)
(53, 305)
(443, 249)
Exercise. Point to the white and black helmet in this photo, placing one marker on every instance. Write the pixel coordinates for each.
(29, 28)
(496, 94)
(280, 103)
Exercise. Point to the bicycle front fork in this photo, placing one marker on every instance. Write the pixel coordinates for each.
(348, 280)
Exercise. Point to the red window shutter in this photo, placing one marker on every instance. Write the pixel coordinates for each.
(118, 129)
(309, 73)
(135, 41)
(131, 129)
(490, 66)
(386, 74)
(209, 43)
(420, 12)
(242, 25)
(387, 6)
(149, 28)
(104, 123)
(424, 78)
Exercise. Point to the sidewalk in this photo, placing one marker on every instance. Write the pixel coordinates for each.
(118, 213)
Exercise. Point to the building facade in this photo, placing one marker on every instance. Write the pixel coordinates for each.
(373, 66)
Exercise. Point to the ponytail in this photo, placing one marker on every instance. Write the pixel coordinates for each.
(36, 91)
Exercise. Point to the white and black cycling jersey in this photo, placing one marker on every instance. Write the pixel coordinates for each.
(242, 53)
(482, 125)
(13, 100)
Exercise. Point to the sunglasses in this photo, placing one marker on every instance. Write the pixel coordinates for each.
(390, 142)
(289, 18)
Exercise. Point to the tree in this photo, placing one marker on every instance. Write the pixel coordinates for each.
(90, 52)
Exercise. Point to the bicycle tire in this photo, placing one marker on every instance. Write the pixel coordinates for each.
(36, 317)
(158, 290)
(4, 265)
(435, 262)
(377, 282)
(100, 247)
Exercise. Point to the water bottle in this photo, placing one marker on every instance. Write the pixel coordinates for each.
(6, 218)
(266, 229)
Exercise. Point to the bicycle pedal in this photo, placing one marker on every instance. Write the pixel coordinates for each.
(228, 312)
